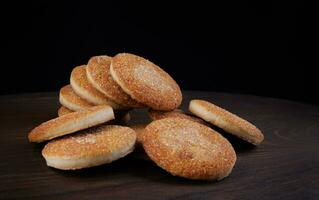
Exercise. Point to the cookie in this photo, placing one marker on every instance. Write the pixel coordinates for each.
(145, 82)
(227, 121)
(71, 123)
(188, 149)
(98, 74)
(72, 101)
(157, 114)
(91, 147)
(64, 111)
(85, 90)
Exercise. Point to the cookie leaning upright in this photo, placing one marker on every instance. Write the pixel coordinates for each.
(71, 123)
(85, 90)
(72, 101)
(98, 74)
(227, 121)
(188, 149)
(145, 82)
(90, 147)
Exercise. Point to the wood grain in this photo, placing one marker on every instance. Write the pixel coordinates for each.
(284, 166)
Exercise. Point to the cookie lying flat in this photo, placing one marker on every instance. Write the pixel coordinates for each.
(145, 82)
(64, 111)
(85, 90)
(98, 74)
(92, 147)
(156, 115)
(227, 121)
(188, 149)
(72, 101)
(71, 123)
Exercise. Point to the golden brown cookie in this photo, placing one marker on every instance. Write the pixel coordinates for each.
(145, 82)
(98, 74)
(91, 147)
(71, 123)
(72, 101)
(85, 90)
(227, 121)
(188, 149)
(64, 111)
(157, 114)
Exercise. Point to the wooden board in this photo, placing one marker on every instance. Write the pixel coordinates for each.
(285, 166)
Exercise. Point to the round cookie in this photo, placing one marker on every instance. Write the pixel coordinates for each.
(85, 90)
(72, 101)
(188, 149)
(64, 111)
(157, 114)
(90, 148)
(71, 123)
(145, 82)
(98, 74)
(227, 121)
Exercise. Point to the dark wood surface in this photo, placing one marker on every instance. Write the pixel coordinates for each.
(284, 166)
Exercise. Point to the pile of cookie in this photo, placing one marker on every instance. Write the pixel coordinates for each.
(92, 125)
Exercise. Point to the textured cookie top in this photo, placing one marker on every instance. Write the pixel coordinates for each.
(145, 82)
(85, 90)
(157, 114)
(69, 99)
(71, 123)
(98, 73)
(64, 111)
(107, 139)
(226, 120)
(188, 149)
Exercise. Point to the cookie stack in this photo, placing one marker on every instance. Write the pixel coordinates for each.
(89, 130)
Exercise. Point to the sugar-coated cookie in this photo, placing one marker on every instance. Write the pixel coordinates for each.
(83, 88)
(71, 123)
(145, 82)
(98, 74)
(226, 120)
(72, 101)
(91, 147)
(188, 149)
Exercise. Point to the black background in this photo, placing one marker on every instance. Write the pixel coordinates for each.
(243, 47)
